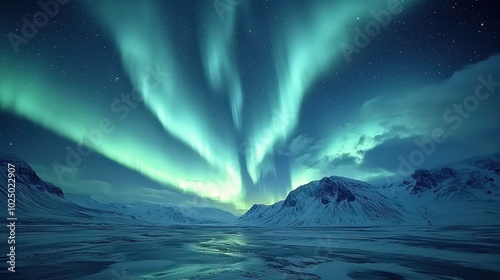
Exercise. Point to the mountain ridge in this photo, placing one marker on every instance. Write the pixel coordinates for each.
(41, 202)
(466, 191)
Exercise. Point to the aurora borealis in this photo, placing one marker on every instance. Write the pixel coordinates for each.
(238, 102)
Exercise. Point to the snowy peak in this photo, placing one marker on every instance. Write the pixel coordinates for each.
(336, 188)
(259, 211)
(43, 202)
(477, 177)
(465, 192)
(488, 162)
(329, 201)
(429, 179)
(26, 178)
(327, 190)
(257, 208)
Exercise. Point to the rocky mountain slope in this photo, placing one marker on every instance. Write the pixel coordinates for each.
(461, 193)
(41, 202)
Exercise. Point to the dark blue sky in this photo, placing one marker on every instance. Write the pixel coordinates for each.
(231, 103)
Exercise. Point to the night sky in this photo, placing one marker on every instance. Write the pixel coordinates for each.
(236, 102)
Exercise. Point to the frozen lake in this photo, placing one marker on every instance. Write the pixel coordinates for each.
(209, 252)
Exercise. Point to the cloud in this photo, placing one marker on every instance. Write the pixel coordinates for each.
(389, 125)
(344, 159)
(414, 116)
(385, 154)
(301, 145)
(307, 162)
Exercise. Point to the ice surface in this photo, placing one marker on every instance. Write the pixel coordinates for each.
(216, 252)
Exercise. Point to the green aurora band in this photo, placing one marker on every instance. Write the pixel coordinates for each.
(305, 50)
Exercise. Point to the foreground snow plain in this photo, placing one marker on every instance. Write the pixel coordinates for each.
(233, 252)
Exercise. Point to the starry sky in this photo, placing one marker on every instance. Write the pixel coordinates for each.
(229, 103)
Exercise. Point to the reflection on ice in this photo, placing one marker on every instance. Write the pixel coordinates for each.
(207, 252)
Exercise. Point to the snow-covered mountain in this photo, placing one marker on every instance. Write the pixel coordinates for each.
(158, 213)
(475, 178)
(462, 193)
(332, 201)
(41, 202)
(36, 199)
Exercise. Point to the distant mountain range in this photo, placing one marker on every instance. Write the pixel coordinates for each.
(462, 193)
(40, 202)
(465, 192)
